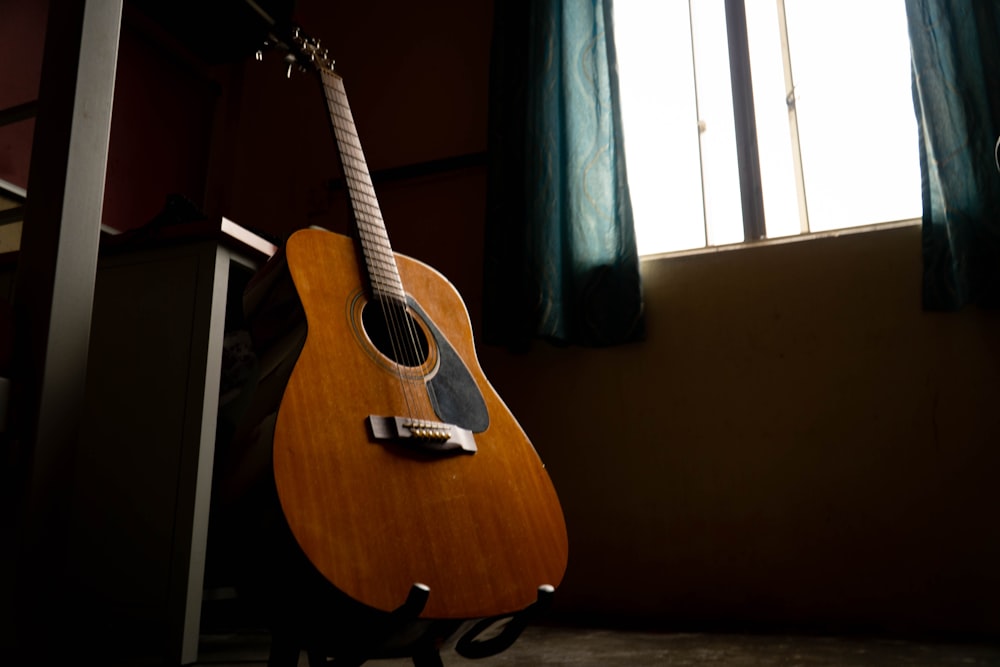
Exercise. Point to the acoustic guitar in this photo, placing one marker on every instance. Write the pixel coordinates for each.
(396, 462)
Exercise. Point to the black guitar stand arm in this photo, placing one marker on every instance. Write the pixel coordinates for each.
(471, 646)
(398, 620)
(479, 641)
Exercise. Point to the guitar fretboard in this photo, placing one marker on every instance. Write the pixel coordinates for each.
(380, 264)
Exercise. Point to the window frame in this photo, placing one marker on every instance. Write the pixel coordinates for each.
(754, 221)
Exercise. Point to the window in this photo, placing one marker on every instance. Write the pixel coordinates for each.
(831, 107)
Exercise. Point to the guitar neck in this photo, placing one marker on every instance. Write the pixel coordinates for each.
(379, 261)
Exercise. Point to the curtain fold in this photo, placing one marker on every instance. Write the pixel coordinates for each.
(955, 49)
(560, 258)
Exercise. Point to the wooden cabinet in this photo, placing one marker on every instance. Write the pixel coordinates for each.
(145, 457)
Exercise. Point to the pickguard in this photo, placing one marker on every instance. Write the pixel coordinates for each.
(453, 391)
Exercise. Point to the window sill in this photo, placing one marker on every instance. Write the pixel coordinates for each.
(797, 238)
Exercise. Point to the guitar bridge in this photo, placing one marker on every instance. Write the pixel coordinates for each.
(424, 434)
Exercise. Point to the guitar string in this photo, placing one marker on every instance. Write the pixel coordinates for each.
(395, 311)
(391, 295)
(403, 324)
(403, 334)
(378, 283)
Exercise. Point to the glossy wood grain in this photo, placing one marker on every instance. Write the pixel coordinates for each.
(483, 531)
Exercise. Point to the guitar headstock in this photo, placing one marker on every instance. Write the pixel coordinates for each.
(309, 52)
(301, 51)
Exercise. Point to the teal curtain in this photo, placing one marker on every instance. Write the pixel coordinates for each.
(955, 47)
(560, 256)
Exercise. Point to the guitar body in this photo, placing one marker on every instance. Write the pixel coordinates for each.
(483, 530)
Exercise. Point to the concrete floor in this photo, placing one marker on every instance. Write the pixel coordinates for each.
(554, 646)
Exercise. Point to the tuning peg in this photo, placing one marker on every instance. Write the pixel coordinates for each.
(266, 44)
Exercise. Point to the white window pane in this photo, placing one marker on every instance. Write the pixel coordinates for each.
(857, 129)
(720, 170)
(774, 138)
(653, 40)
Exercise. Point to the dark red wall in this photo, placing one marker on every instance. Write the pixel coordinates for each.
(244, 141)
(416, 75)
(22, 31)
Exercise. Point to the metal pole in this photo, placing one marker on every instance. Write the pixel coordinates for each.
(747, 153)
(53, 298)
(793, 118)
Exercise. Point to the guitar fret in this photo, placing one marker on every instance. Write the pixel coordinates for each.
(376, 248)
(342, 112)
(383, 262)
(384, 280)
(369, 212)
(356, 179)
(346, 123)
(372, 226)
(382, 259)
(358, 171)
(380, 262)
(372, 229)
(372, 233)
(348, 147)
(381, 253)
(377, 241)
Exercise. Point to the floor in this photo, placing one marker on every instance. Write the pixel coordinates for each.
(553, 646)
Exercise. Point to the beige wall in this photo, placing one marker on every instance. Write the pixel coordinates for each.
(795, 443)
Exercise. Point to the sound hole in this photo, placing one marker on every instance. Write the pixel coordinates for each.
(395, 333)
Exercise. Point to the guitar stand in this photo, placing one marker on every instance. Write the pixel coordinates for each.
(424, 652)
(470, 646)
